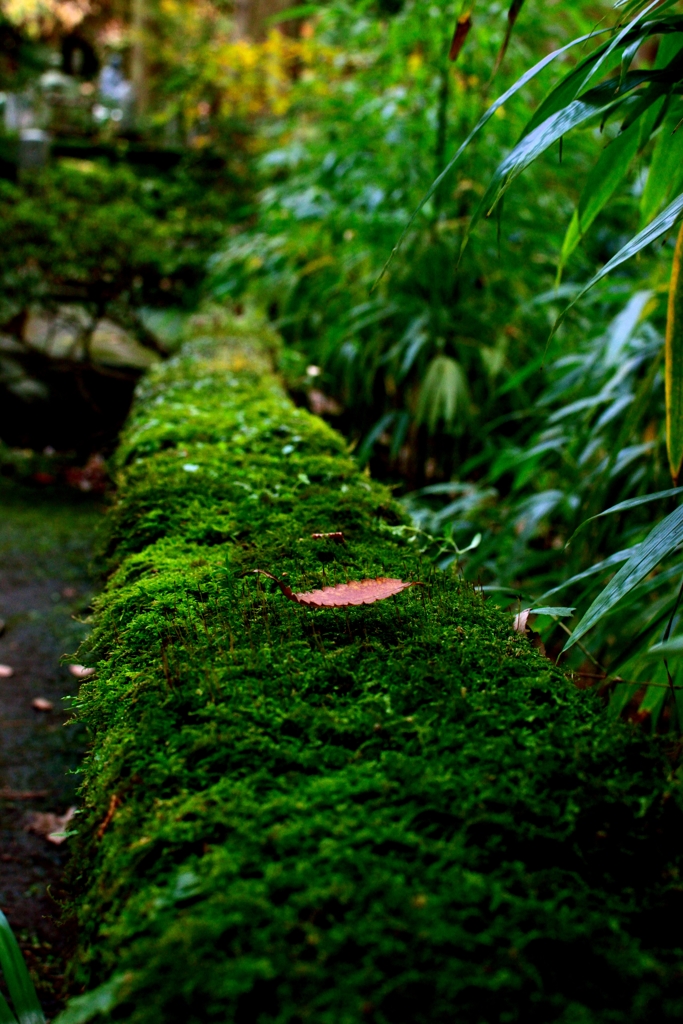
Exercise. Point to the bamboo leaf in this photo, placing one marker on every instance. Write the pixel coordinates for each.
(618, 39)
(665, 649)
(598, 101)
(665, 176)
(624, 506)
(659, 226)
(619, 557)
(673, 364)
(659, 543)
(21, 988)
(486, 116)
(602, 181)
(559, 611)
(6, 1015)
(444, 394)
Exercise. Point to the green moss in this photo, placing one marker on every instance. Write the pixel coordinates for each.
(396, 813)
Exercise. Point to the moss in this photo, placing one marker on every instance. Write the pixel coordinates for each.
(397, 813)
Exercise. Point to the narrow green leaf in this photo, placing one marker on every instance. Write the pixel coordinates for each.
(659, 226)
(600, 100)
(623, 506)
(6, 1015)
(21, 989)
(559, 612)
(665, 176)
(616, 559)
(665, 649)
(659, 543)
(565, 91)
(601, 183)
(444, 394)
(486, 116)
(642, 638)
(673, 364)
(618, 39)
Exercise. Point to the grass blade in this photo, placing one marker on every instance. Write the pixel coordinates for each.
(604, 179)
(659, 226)
(599, 101)
(21, 988)
(659, 543)
(624, 506)
(673, 372)
(6, 1015)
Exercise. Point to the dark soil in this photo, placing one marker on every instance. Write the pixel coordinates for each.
(46, 543)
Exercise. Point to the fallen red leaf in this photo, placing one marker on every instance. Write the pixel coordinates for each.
(81, 672)
(344, 595)
(40, 704)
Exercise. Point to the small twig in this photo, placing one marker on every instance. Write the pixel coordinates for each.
(114, 803)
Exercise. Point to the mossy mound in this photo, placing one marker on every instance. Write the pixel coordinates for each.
(399, 814)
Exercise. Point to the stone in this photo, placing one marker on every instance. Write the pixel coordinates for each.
(112, 345)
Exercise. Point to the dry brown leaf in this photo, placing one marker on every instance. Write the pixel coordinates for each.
(6, 671)
(520, 621)
(81, 672)
(344, 595)
(51, 826)
(40, 704)
(462, 29)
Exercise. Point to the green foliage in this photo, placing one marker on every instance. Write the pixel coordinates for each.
(379, 814)
(642, 97)
(20, 986)
(106, 235)
(343, 173)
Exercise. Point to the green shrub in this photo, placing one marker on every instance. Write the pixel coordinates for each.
(394, 813)
(106, 235)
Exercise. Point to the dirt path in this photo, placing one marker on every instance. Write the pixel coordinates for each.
(46, 543)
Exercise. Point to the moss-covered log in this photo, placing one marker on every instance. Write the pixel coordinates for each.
(395, 813)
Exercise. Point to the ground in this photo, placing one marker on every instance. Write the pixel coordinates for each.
(46, 584)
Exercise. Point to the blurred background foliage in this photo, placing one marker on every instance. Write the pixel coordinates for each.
(264, 156)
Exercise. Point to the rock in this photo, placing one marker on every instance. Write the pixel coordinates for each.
(111, 345)
(59, 335)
